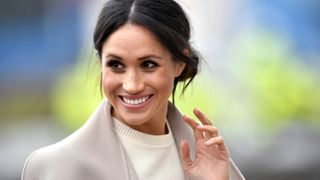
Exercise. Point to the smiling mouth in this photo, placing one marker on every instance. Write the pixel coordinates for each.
(135, 101)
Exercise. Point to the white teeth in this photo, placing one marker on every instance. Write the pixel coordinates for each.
(135, 101)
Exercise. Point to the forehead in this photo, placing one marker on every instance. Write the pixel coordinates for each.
(132, 38)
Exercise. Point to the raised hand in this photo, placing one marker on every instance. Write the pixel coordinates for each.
(211, 154)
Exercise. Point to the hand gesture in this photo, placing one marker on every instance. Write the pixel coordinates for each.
(211, 154)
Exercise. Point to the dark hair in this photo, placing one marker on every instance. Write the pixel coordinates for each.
(164, 18)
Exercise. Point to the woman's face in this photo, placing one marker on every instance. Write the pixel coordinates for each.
(137, 77)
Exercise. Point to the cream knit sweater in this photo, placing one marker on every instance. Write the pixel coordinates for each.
(153, 157)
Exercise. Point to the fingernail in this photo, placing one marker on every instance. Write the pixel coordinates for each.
(207, 143)
(200, 126)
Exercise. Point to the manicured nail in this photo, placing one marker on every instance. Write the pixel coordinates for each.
(208, 143)
(200, 126)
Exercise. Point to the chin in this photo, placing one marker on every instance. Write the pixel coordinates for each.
(130, 118)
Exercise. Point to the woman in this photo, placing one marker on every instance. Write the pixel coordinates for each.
(144, 52)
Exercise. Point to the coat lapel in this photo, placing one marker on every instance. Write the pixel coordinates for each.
(181, 131)
(108, 147)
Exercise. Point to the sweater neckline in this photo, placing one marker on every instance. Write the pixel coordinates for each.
(148, 139)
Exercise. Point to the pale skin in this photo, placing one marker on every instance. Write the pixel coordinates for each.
(137, 78)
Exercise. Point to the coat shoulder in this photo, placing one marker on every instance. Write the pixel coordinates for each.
(47, 161)
(76, 157)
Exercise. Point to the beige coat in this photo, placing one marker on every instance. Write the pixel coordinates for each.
(94, 152)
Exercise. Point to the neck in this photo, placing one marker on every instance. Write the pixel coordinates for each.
(155, 126)
(159, 128)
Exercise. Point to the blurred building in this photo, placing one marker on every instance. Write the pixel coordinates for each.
(39, 39)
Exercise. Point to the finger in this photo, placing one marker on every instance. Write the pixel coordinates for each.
(185, 155)
(210, 131)
(202, 117)
(193, 124)
(218, 141)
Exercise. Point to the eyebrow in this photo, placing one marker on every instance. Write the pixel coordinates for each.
(140, 59)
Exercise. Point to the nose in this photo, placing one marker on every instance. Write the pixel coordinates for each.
(133, 83)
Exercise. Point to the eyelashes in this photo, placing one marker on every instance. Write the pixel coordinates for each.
(149, 64)
(118, 66)
(115, 64)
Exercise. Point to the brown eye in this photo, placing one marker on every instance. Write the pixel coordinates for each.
(115, 65)
(149, 64)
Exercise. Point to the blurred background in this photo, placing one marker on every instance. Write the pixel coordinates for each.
(260, 82)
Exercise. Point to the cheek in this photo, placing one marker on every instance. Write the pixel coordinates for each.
(163, 81)
(109, 84)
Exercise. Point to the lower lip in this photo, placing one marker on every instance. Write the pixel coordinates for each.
(136, 107)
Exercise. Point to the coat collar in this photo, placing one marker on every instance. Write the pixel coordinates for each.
(101, 126)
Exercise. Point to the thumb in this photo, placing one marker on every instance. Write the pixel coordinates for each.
(185, 155)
